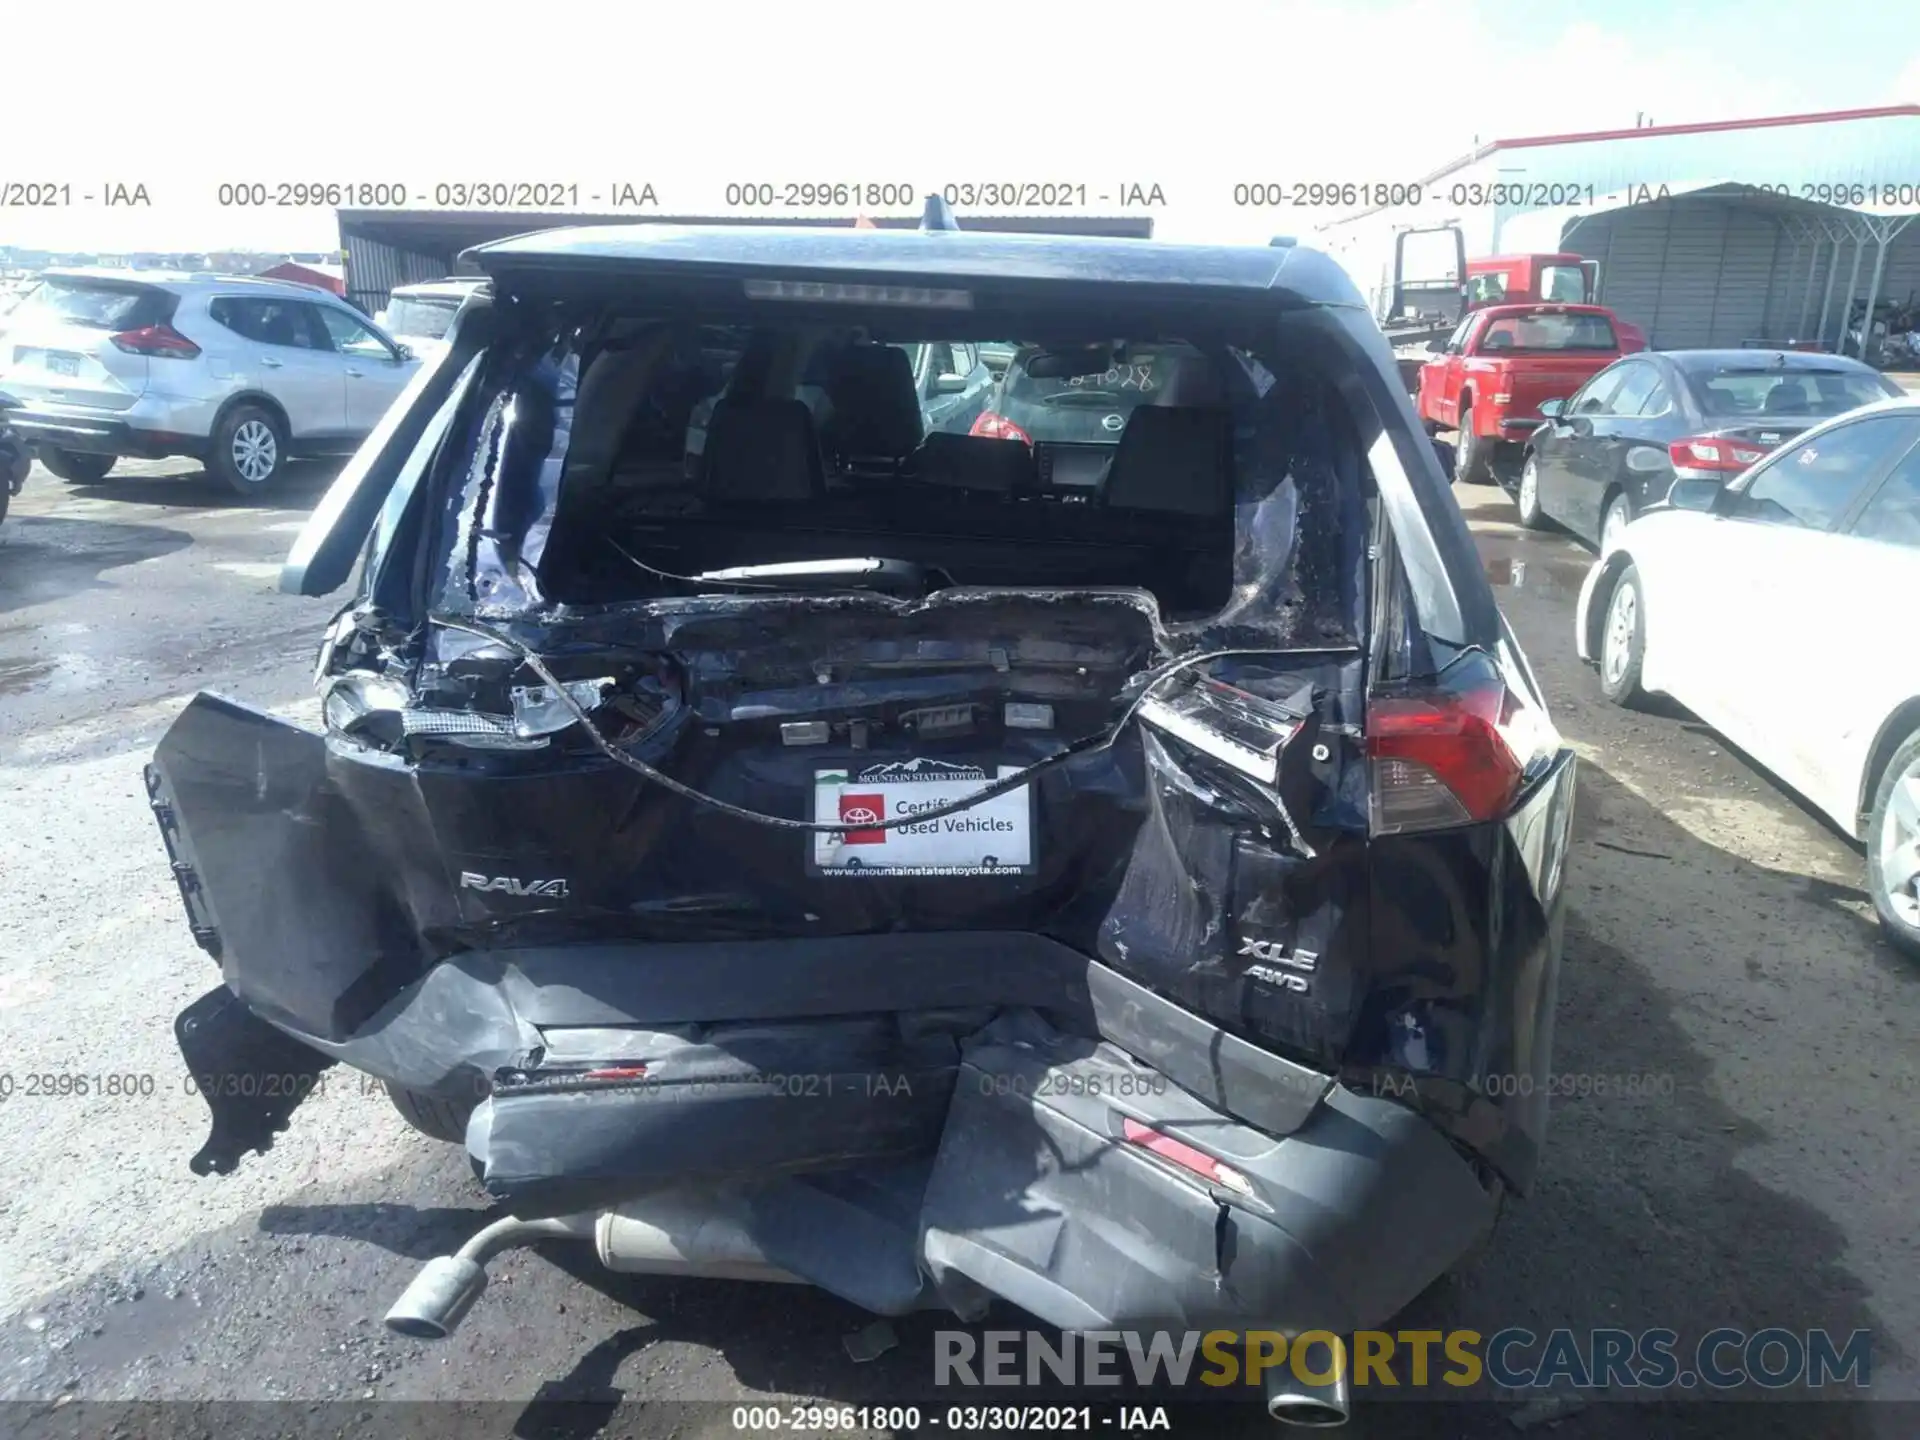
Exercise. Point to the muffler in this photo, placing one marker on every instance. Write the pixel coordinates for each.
(701, 1234)
(1293, 1401)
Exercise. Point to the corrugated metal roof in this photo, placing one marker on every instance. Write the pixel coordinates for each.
(1877, 147)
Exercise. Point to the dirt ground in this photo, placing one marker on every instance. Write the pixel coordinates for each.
(1718, 937)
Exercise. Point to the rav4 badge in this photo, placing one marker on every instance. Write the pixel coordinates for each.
(509, 885)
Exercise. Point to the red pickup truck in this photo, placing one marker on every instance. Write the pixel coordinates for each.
(1488, 378)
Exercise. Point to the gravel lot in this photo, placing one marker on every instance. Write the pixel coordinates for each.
(1718, 936)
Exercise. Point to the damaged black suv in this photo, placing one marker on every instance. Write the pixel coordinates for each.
(1121, 875)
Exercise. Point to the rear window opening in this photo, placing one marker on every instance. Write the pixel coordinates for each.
(1549, 332)
(1729, 393)
(640, 455)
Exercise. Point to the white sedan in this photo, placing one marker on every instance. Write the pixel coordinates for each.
(1779, 608)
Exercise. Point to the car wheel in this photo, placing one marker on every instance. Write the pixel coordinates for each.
(1527, 497)
(1893, 848)
(77, 468)
(1623, 640)
(432, 1115)
(1470, 455)
(1614, 526)
(249, 449)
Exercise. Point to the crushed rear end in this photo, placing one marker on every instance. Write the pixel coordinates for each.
(1145, 912)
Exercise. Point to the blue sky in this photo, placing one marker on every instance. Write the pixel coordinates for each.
(1192, 96)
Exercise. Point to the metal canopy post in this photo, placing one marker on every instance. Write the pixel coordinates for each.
(1826, 302)
(1806, 296)
(1853, 285)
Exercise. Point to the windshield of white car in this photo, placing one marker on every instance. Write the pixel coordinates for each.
(421, 317)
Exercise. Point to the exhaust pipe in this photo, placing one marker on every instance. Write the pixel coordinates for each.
(702, 1234)
(1291, 1401)
(433, 1306)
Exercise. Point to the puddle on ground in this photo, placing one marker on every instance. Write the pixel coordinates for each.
(19, 676)
(62, 673)
(1538, 572)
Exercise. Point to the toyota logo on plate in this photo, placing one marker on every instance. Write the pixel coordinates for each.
(859, 815)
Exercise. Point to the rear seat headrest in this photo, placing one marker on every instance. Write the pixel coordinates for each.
(975, 462)
(875, 403)
(1176, 459)
(762, 450)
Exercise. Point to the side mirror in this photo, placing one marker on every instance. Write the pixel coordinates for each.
(1550, 409)
(1701, 495)
(402, 353)
(1437, 346)
(949, 384)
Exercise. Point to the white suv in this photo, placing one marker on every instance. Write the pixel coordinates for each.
(418, 315)
(242, 374)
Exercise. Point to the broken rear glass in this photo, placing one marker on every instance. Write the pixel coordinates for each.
(625, 459)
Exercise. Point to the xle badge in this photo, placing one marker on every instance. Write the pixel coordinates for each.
(1270, 955)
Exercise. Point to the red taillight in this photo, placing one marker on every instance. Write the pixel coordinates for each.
(1184, 1155)
(161, 342)
(1444, 758)
(1714, 453)
(997, 427)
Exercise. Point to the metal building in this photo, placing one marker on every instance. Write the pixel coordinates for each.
(385, 248)
(1729, 233)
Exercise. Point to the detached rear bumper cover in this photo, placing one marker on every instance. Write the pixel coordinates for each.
(907, 1117)
(899, 1165)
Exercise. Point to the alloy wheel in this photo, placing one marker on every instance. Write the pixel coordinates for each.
(1617, 650)
(256, 453)
(1897, 862)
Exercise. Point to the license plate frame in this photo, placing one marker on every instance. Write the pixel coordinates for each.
(67, 366)
(993, 840)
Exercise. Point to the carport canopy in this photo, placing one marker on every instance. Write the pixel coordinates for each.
(1808, 224)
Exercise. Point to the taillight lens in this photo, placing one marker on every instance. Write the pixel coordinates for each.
(1196, 1162)
(1453, 754)
(997, 427)
(1714, 454)
(161, 342)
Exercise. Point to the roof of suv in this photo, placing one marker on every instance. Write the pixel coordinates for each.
(956, 255)
(180, 281)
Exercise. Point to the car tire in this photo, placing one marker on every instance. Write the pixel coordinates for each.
(76, 467)
(1526, 495)
(434, 1116)
(1618, 513)
(1893, 846)
(248, 449)
(1472, 455)
(1623, 640)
